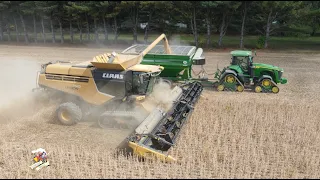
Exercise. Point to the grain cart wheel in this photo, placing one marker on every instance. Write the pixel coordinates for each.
(69, 113)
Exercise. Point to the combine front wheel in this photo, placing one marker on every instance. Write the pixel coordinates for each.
(69, 113)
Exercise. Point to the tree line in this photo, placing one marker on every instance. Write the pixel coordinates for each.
(263, 18)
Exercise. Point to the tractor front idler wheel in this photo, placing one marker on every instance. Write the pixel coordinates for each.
(220, 87)
(240, 88)
(275, 89)
(258, 89)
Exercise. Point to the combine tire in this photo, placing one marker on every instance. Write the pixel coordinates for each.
(69, 113)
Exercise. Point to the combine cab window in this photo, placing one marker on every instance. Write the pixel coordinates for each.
(145, 87)
(110, 82)
(112, 87)
(140, 87)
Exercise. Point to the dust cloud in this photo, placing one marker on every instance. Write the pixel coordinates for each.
(175, 40)
(161, 95)
(18, 80)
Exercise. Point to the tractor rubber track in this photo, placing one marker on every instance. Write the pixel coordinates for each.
(264, 90)
(230, 89)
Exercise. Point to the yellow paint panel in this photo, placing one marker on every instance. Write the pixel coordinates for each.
(76, 71)
(58, 68)
(67, 69)
(148, 153)
(86, 90)
(109, 66)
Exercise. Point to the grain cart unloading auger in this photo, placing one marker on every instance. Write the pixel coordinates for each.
(111, 88)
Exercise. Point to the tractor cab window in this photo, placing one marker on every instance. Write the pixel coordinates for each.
(242, 61)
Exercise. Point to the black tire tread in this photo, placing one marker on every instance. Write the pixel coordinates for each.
(73, 109)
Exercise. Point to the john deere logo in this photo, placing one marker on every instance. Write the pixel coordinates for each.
(112, 76)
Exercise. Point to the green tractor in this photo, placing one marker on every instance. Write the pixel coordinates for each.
(242, 73)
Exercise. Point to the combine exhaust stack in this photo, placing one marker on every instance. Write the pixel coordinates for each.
(159, 131)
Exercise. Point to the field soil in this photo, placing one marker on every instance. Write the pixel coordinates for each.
(230, 135)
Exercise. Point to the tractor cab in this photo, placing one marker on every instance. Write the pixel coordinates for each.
(244, 60)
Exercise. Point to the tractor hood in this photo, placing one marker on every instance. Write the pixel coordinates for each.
(267, 66)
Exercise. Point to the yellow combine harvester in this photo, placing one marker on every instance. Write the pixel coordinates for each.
(113, 89)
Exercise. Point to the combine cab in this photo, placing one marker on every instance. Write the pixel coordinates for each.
(114, 90)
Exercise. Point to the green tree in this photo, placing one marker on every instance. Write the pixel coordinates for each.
(16, 9)
(79, 11)
(3, 9)
(49, 10)
(4, 16)
(225, 10)
(30, 8)
(209, 7)
(311, 15)
(245, 5)
(95, 9)
(149, 9)
(133, 7)
(189, 11)
(271, 15)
